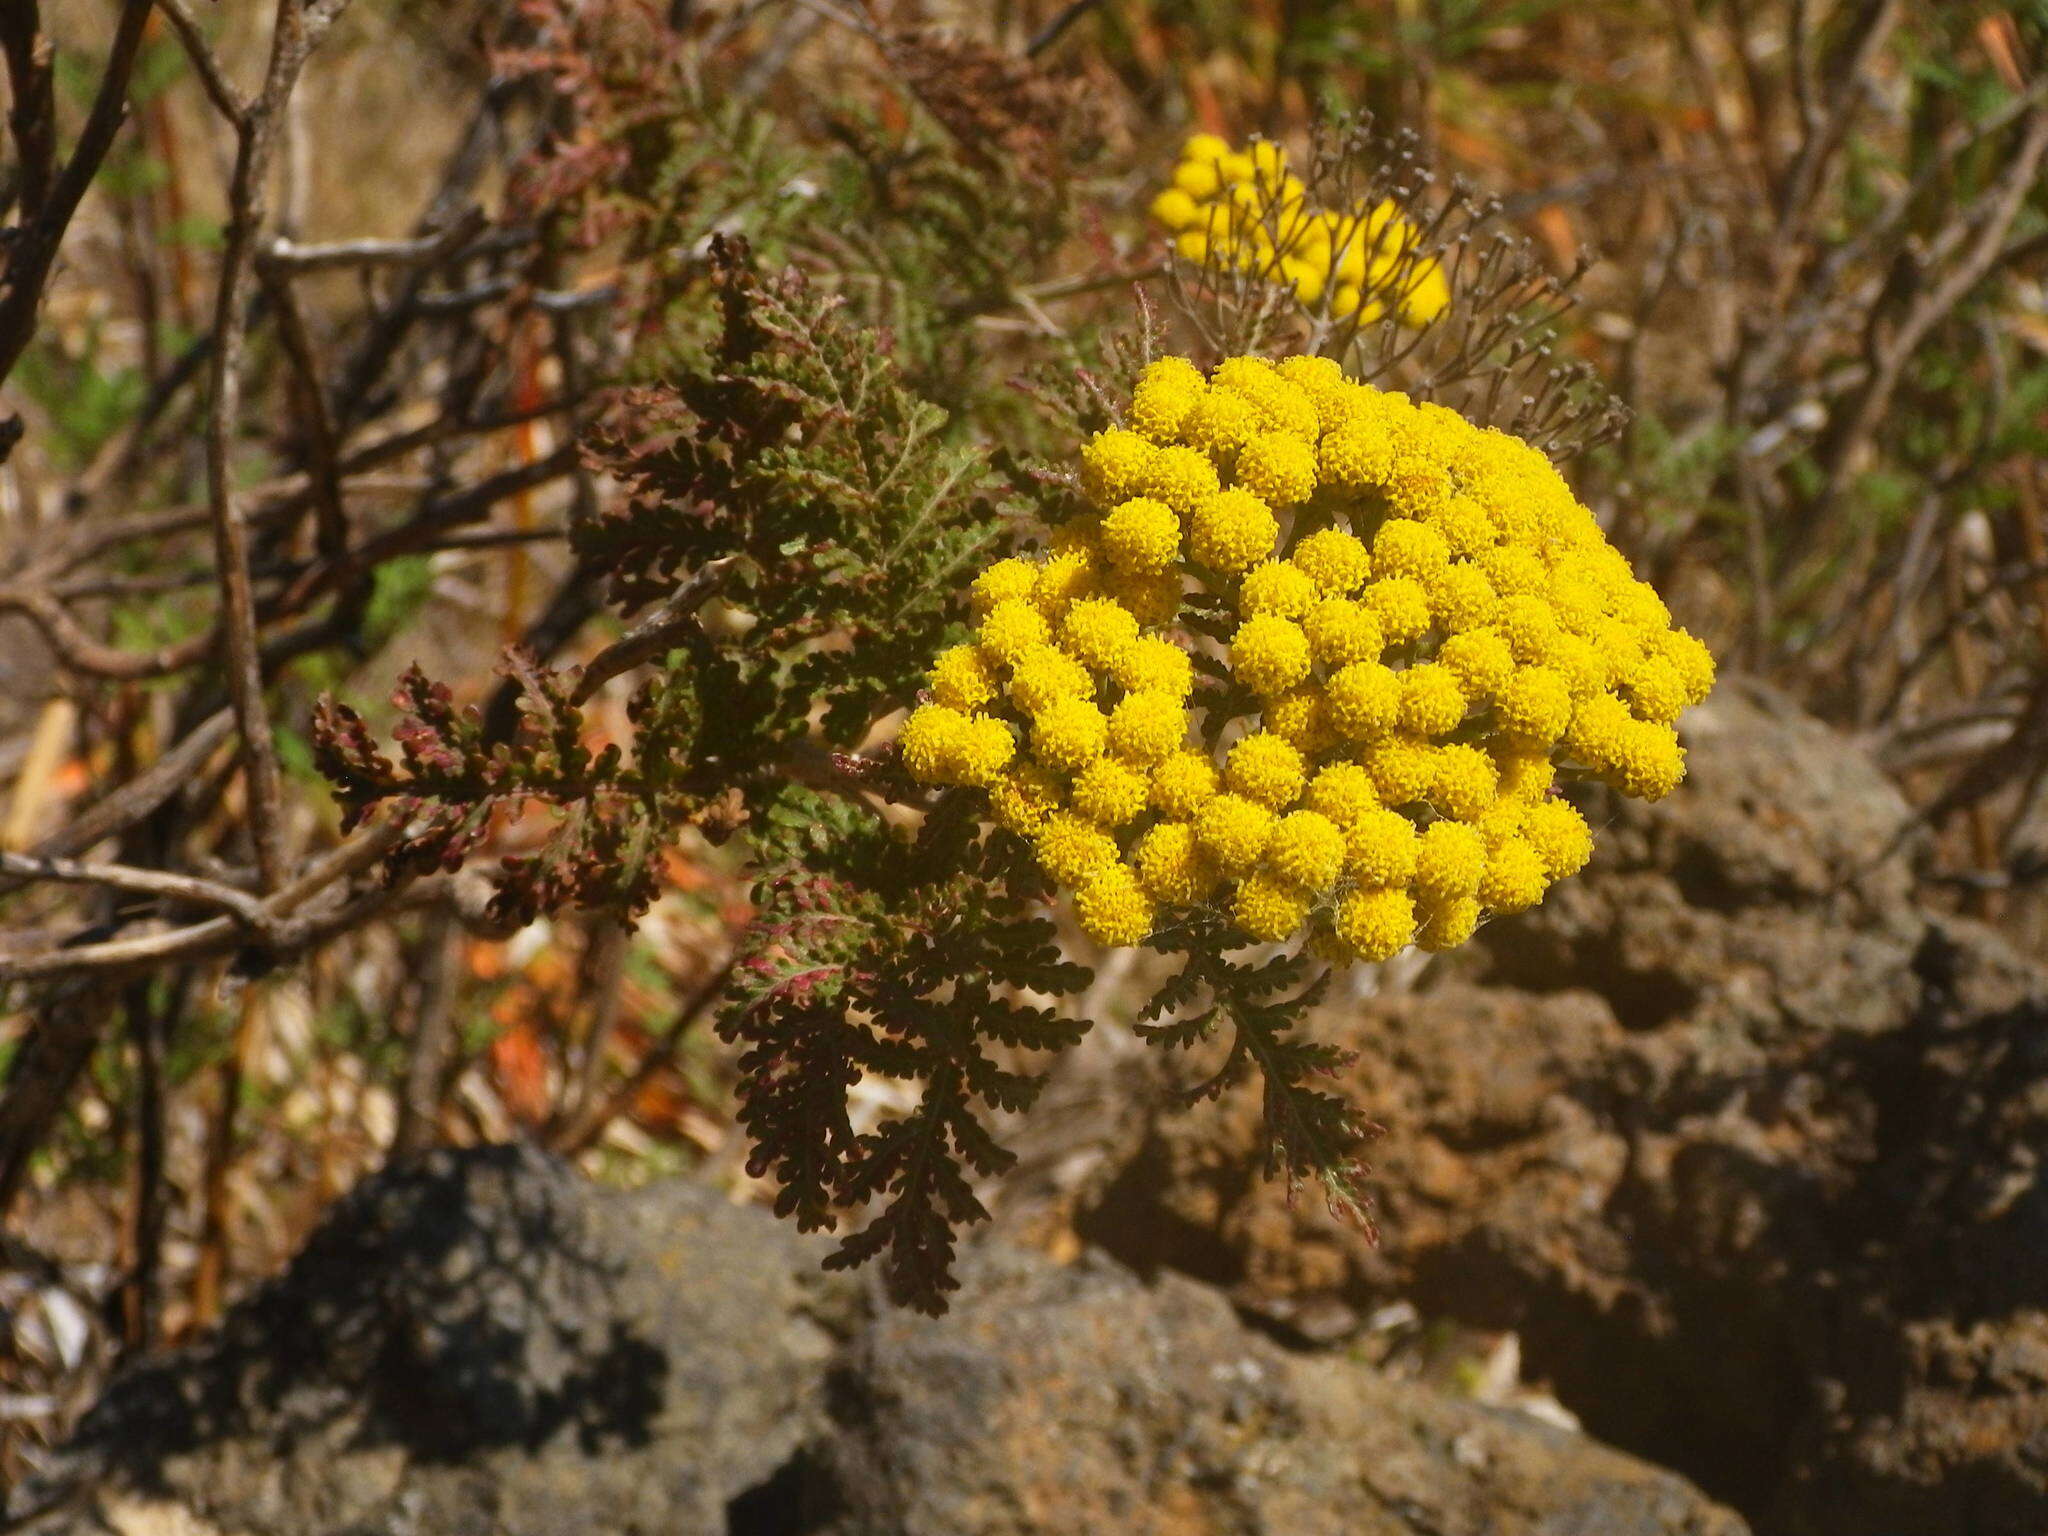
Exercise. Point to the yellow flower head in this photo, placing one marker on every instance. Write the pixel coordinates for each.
(1012, 627)
(1152, 664)
(1380, 848)
(1183, 782)
(985, 751)
(1269, 654)
(1526, 771)
(1169, 388)
(1418, 485)
(1277, 467)
(1376, 924)
(1172, 865)
(1334, 560)
(962, 679)
(1402, 548)
(1301, 718)
(934, 742)
(1449, 925)
(1403, 768)
(1480, 658)
(1534, 705)
(1694, 662)
(1513, 570)
(1515, 877)
(1465, 526)
(1530, 624)
(1268, 908)
(1234, 831)
(1283, 406)
(1220, 424)
(1005, 581)
(1113, 466)
(1306, 850)
(1182, 478)
(1265, 768)
(1176, 208)
(1318, 377)
(1043, 675)
(1146, 727)
(1466, 783)
(1343, 791)
(1110, 793)
(1365, 700)
(1114, 908)
(1449, 860)
(1071, 849)
(1341, 631)
(1401, 606)
(1655, 690)
(1460, 598)
(1022, 796)
(1201, 180)
(1358, 456)
(1231, 532)
(1560, 837)
(1648, 763)
(1095, 629)
(1069, 734)
(1433, 702)
(1065, 578)
(1584, 669)
(1141, 536)
(1397, 635)
(1154, 600)
(1278, 587)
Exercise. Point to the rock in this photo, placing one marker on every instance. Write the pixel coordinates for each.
(481, 1343)
(1081, 1399)
(1743, 1143)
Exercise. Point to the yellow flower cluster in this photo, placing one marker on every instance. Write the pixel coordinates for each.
(1425, 627)
(1244, 208)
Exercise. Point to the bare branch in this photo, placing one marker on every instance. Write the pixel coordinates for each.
(141, 882)
(219, 89)
(298, 31)
(64, 1031)
(285, 254)
(322, 447)
(141, 795)
(1848, 80)
(1935, 305)
(656, 633)
(34, 247)
(32, 108)
(80, 652)
(277, 920)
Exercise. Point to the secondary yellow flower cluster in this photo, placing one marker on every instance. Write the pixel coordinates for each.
(1245, 208)
(1424, 627)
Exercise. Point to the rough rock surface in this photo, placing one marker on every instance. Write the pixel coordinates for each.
(484, 1345)
(1745, 1145)
(1082, 1399)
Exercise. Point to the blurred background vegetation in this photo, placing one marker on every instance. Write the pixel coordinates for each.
(1817, 236)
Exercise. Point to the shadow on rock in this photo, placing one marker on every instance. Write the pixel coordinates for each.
(481, 1341)
(1744, 1144)
(484, 1344)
